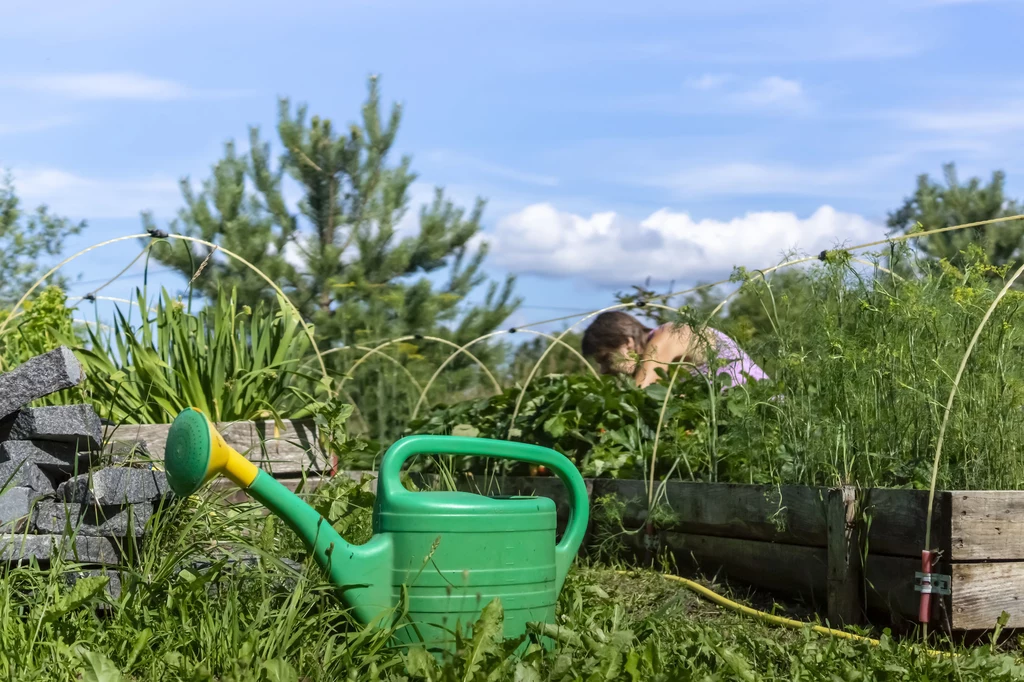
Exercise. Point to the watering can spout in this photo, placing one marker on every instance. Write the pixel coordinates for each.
(196, 453)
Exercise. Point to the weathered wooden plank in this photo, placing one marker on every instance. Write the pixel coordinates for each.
(844, 563)
(987, 525)
(291, 450)
(155, 436)
(787, 514)
(889, 587)
(897, 521)
(787, 569)
(287, 451)
(238, 435)
(304, 488)
(981, 592)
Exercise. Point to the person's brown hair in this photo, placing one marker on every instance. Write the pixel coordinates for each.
(610, 331)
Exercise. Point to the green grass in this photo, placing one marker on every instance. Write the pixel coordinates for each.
(269, 622)
(865, 364)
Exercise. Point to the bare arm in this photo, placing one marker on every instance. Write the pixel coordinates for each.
(667, 344)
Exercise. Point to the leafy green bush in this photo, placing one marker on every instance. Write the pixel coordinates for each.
(867, 365)
(44, 324)
(605, 425)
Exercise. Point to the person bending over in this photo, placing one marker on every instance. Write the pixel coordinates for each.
(621, 344)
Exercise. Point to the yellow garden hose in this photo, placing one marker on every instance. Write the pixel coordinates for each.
(771, 618)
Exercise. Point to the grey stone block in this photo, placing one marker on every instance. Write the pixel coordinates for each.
(75, 424)
(61, 457)
(118, 522)
(113, 587)
(20, 548)
(27, 475)
(37, 378)
(16, 505)
(115, 485)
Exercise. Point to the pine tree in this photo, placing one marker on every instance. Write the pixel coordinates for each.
(340, 257)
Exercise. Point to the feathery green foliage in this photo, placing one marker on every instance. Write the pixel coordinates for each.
(861, 366)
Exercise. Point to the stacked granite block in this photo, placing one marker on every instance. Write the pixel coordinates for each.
(62, 489)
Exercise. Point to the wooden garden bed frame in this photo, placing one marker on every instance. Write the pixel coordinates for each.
(853, 551)
(856, 552)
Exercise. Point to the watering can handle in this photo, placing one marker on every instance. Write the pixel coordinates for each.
(389, 483)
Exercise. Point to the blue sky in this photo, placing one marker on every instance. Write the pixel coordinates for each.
(614, 141)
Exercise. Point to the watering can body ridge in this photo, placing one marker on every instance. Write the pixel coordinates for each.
(452, 552)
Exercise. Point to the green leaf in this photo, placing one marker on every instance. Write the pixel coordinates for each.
(487, 636)
(141, 640)
(632, 666)
(279, 670)
(738, 664)
(86, 590)
(736, 408)
(99, 668)
(419, 663)
(555, 426)
(268, 536)
(526, 672)
(465, 430)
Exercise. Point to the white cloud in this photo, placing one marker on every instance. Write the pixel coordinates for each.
(725, 94)
(81, 197)
(110, 86)
(774, 91)
(449, 158)
(708, 81)
(749, 179)
(997, 119)
(37, 126)
(610, 249)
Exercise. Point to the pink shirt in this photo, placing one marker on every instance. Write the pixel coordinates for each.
(729, 359)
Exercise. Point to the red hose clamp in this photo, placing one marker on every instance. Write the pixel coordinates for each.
(928, 583)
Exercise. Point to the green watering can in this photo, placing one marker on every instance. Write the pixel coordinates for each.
(455, 552)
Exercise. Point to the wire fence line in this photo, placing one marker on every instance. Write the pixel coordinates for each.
(377, 347)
